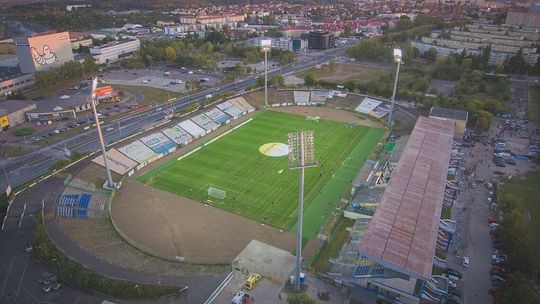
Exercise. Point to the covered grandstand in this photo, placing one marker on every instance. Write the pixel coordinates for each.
(403, 232)
(390, 250)
(373, 107)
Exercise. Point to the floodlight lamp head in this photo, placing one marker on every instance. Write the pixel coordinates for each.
(398, 56)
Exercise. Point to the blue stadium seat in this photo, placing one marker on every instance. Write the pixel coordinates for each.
(83, 205)
(362, 270)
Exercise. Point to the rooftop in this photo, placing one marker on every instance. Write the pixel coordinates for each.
(403, 232)
(448, 113)
(10, 106)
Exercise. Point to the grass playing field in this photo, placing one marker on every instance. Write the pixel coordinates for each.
(261, 187)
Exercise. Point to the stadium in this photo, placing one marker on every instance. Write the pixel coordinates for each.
(196, 191)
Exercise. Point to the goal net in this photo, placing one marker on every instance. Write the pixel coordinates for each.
(217, 193)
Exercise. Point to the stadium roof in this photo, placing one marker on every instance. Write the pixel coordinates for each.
(403, 232)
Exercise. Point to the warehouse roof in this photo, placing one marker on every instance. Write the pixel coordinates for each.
(403, 232)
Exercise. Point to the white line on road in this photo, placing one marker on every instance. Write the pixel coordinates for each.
(22, 276)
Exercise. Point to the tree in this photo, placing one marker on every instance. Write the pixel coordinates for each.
(276, 81)
(170, 54)
(431, 55)
(332, 65)
(404, 24)
(89, 65)
(309, 80)
(486, 54)
(208, 47)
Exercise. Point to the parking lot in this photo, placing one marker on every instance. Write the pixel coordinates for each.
(173, 80)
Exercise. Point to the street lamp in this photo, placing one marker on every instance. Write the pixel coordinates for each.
(265, 45)
(301, 156)
(398, 59)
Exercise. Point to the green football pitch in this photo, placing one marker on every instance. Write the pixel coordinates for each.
(262, 187)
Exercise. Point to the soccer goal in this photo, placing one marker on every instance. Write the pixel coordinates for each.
(217, 193)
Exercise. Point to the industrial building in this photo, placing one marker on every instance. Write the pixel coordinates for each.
(11, 80)
(114, 51)
(79, 39)
(43, 51)
(12, 112)
(319, 40)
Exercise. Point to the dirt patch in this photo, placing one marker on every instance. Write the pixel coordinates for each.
(344, 72)
(176, 227)
(329, 114)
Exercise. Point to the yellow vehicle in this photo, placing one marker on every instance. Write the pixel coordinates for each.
(252, 280)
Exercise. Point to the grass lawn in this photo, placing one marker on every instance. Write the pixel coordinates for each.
(257, 98)
(261, 187)
(332, 248)
(51, 90)
(533, 105)
(152, 96)
(526, 187)
(344, 72)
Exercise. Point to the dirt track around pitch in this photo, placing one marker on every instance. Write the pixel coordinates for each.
(173, 226)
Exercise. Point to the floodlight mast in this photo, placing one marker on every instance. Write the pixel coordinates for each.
(301, 155)
(93, 99)
(265, 45)
(398, 59)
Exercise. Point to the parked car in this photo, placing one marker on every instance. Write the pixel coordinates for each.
(48, 278)
(51, 287)
(497, 279)
(453, 272)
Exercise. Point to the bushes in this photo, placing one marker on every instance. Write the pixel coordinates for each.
(74, 272)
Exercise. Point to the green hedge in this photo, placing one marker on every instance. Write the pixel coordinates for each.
(74, 272)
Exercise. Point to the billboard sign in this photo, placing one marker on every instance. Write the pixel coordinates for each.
(50, 50)
(4, 121)
(104, 91)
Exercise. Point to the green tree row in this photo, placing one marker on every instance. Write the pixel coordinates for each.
(68, 71)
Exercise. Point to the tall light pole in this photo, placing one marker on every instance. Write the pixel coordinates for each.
(301, 156)
(93, 99)
(398, 59)
(265, 48)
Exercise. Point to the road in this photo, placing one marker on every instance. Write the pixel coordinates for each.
(474, 240)
(22, 169)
